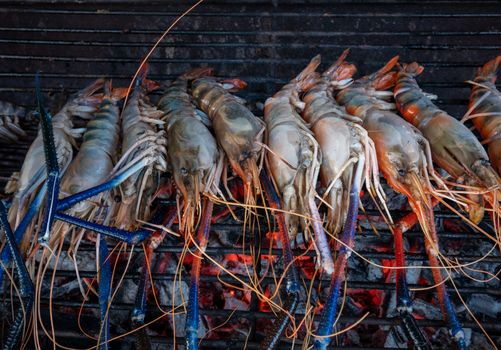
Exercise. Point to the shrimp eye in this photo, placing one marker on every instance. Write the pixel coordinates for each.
(244, 156)
(401, 172)
(118, 199)
(183, 171)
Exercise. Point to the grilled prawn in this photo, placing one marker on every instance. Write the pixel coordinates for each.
(404, 159)
(143, 153)
(294, 160)
(192, 150)
(238, 131)
(341, 138)
(94, 161)
(454, 148)
(485, 110)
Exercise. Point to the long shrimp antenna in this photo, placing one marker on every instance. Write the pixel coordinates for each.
(145, 59)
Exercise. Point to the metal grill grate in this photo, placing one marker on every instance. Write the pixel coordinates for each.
(264, 43)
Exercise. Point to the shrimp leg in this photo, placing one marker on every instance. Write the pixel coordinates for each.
(292, 286)
(348, 238)
(192, 317)
(26, 289)
(404, 302)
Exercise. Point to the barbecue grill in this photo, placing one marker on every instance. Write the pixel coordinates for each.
(264, 43)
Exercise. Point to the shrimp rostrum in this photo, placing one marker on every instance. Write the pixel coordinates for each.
(404, 159)
(347, 154)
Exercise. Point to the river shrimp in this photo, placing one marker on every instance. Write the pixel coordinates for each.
(143, 155)
(485, 109)
(404, 158)
(192, 150)
(340, 136)
(294, 161)
(94, 161)
(237, 130)
(454, 147)
(347, 153)
(83, 104)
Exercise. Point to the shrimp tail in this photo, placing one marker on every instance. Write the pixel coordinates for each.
(384, 78)
(490, 70)
(413, 69)
(330, 72)
(197, 73)
(141, 81)
(91, 88)
(308, 77)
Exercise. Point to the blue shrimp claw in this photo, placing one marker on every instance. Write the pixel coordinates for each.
(139, 312)
(21, 229)
(192, 316)
(104, 293)
(26, 289)
(292, 287)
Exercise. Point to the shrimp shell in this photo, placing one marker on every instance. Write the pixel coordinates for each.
(238, 131)
(192, 150)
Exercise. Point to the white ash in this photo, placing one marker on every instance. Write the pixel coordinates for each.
(233, 303)
(427, 310)
(485, 304)
(412, 277)
(362, 271)
(353, 337)
(395, 338)
(480, 342)
(173, 294)
(59, 291)
(86, 261)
